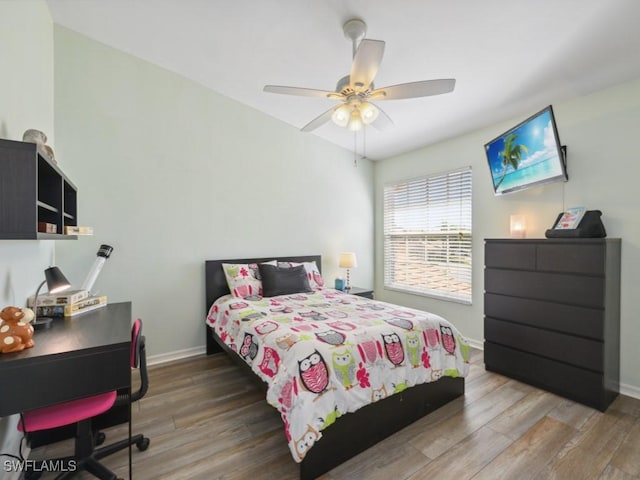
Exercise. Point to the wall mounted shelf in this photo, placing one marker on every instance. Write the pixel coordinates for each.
(33, 191)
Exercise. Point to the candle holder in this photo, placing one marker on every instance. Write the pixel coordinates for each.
(518, 226)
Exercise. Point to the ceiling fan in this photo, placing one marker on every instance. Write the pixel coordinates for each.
(356, 90)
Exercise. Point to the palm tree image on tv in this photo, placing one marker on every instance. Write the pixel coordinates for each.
(527, 155)
(511, 155)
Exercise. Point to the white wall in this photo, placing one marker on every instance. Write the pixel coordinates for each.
(26, 101)
(170, 174)
(600, 131)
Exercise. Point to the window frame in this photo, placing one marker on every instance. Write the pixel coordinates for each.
(464, 293)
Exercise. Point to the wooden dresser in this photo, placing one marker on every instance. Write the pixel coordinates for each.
(552, 315)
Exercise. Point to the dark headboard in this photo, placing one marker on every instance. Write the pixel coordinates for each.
(216, 283)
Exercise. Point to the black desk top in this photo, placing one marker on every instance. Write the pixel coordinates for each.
(98, 328)
(78, 356)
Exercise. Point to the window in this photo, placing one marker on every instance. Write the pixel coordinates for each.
(427, 236)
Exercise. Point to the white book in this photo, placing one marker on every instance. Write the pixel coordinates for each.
(63, 298)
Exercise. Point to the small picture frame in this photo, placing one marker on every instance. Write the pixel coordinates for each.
(577, 225)
(570, 218)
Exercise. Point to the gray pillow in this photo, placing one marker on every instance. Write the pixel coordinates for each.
(283, 281)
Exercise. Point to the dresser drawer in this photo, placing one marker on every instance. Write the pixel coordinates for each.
(588, 258)
(553, 345)
(552, 313)
(510, 255)
(583, 321)
(554, 287)
(571, 382)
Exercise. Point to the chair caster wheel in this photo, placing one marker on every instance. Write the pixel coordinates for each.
(99, 438)
(143, 444)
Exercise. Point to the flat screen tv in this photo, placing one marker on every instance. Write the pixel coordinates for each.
(528, 155)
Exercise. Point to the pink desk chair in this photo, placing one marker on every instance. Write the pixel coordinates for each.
(81, 412)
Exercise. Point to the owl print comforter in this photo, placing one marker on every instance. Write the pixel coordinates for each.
(327, 353)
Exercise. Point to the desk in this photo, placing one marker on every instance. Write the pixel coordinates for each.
(77, 357)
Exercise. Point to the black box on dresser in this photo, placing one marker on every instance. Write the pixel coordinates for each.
(552, 315)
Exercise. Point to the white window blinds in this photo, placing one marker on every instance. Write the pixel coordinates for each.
(427, 236)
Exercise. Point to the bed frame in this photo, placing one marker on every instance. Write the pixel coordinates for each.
(373, 422)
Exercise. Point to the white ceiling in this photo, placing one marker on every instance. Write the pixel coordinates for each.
(510, 57)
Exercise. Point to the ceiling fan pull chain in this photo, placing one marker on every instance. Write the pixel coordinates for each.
(364, 143)
(355, 153)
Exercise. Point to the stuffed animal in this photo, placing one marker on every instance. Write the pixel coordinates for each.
(15, 329)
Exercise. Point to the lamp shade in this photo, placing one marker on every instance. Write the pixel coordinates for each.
(369, 112)
(347, 260)
(341, 115)
(56, 281)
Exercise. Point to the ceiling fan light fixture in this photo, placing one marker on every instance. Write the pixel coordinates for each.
(341, 115)
(369, 112)
(355, 122)
(356, 89)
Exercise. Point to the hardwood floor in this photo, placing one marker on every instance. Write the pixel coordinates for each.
(207, 421)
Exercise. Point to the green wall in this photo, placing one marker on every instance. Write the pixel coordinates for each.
(26, 101)
(600, 131)
(171, 173)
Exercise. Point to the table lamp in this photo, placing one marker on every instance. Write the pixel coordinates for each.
(56, 282)
(348, 260)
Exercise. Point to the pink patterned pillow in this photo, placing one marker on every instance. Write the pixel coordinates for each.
(243, 279)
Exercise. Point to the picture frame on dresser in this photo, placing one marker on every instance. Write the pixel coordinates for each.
(579, 224)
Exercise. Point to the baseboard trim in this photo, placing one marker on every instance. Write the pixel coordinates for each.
(176, 355)
(630, 390)
(478, 344)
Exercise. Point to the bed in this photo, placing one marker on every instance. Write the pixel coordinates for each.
(390, 411)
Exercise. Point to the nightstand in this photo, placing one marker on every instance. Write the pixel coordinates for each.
(361, 292)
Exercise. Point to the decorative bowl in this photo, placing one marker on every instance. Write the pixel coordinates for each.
(34, 136)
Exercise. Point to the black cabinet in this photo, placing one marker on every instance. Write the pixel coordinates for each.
(552, 315)
(34, 193)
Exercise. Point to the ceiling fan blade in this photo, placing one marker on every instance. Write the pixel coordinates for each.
(383, 122)
(424, 88)
(304, 92)
(318, 121)
(366, 63)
